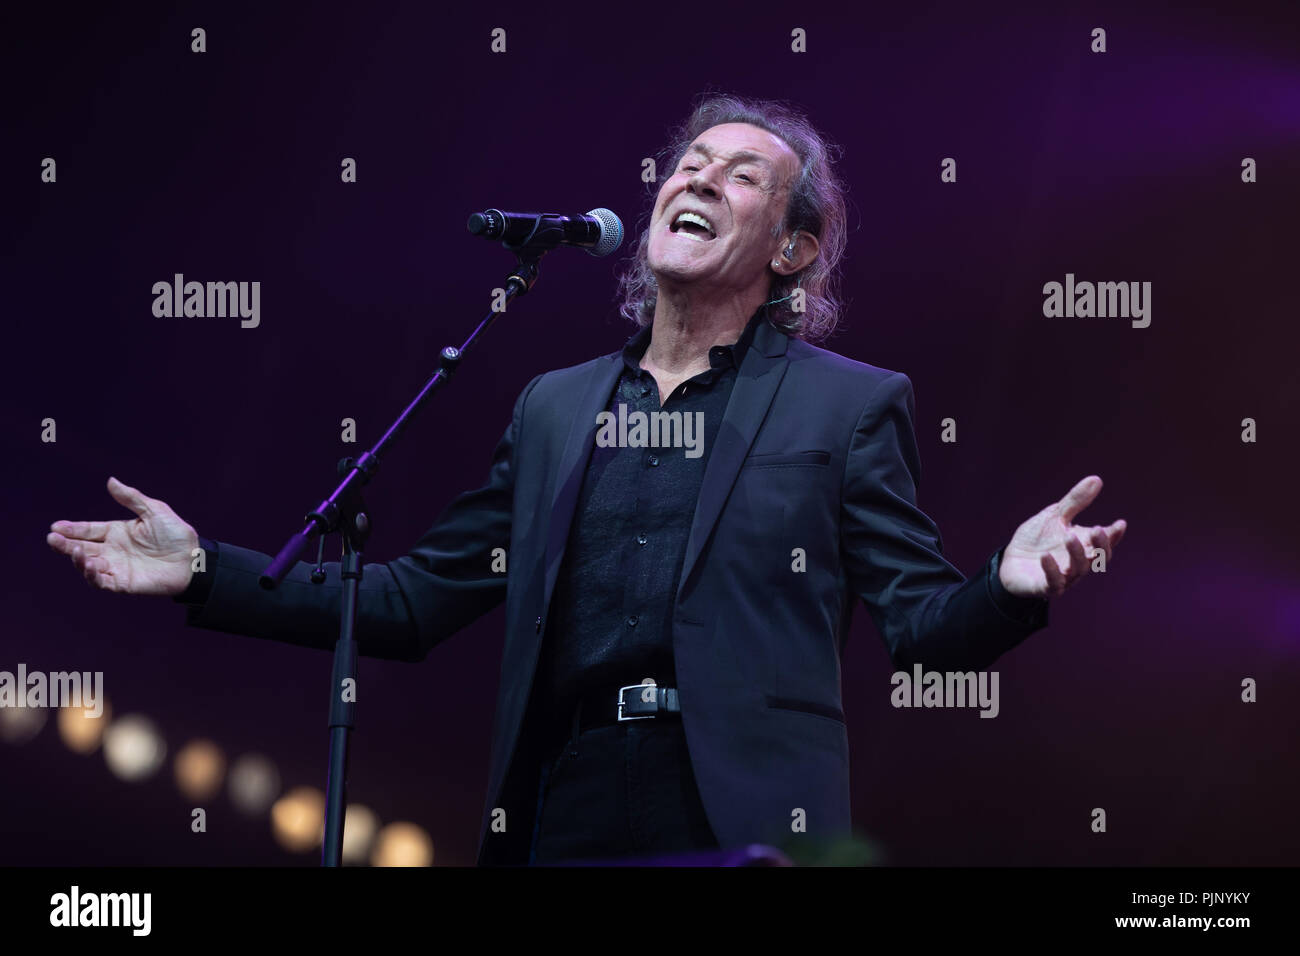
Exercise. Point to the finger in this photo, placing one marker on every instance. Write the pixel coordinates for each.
(99, 575)
(93, 568)
(83, 563)
(1098, 538)
(1078, 559)
(1116, 531)
(1079, 497)
(131, 497)
(68, 545)
(85, 530)
(1055, 579)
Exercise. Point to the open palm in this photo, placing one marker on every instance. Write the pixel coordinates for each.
(150, 554)
(1049, 553)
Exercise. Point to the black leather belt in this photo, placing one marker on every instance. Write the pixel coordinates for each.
(633, 702)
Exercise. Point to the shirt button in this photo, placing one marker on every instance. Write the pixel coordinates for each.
(631, 621)
(654, 461)
(641, 539)
(538, 624)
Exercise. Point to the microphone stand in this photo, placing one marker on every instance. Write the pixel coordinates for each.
(345, 511)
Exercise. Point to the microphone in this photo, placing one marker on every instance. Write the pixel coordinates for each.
(600, 232)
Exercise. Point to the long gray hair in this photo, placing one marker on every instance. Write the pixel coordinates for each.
(816, 205)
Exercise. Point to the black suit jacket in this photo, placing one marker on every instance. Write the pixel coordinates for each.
(815, 452)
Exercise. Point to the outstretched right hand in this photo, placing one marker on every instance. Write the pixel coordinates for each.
(149, 555)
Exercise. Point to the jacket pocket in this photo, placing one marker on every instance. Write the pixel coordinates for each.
(805, 707)
(787, 460)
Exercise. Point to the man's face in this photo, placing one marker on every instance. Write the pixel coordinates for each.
(736, 177)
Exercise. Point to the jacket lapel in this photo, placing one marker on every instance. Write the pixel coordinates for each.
(759, 375)
(573, 463)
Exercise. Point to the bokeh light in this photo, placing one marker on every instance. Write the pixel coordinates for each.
(254, 783)
(298, 819)
(359, 828)
(20, 724)
(402, 844)
(133, 747)
(81, 732)
(199, 768)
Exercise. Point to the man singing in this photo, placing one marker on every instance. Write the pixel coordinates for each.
(675, 616)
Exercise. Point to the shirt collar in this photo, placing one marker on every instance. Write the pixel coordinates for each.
(720, 356)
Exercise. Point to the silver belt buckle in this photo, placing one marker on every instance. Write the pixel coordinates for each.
(622, 702)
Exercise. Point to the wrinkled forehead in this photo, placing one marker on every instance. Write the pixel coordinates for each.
(745, 142)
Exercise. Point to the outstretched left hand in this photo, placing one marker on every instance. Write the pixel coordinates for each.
(1048, 553)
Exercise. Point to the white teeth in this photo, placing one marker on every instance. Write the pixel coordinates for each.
(697, 219)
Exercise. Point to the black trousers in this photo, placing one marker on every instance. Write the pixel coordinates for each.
(620, 791)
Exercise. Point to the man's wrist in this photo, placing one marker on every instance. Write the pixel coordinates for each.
(200, 586)
(1019, 608)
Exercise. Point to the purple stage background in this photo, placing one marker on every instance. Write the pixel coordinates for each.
(225, 166)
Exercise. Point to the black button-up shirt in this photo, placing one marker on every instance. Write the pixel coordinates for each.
(611, 620)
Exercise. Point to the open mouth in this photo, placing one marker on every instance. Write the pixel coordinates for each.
(693, 226)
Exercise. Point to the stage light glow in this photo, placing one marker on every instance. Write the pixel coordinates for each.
(298, 819)
(133, 748)
(20, 724)
(359, 829)
(254, 784)
(199, 767)
(402, 844)
(80, 732)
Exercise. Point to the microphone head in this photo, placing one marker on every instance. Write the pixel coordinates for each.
(611, 232)
(481, 223)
